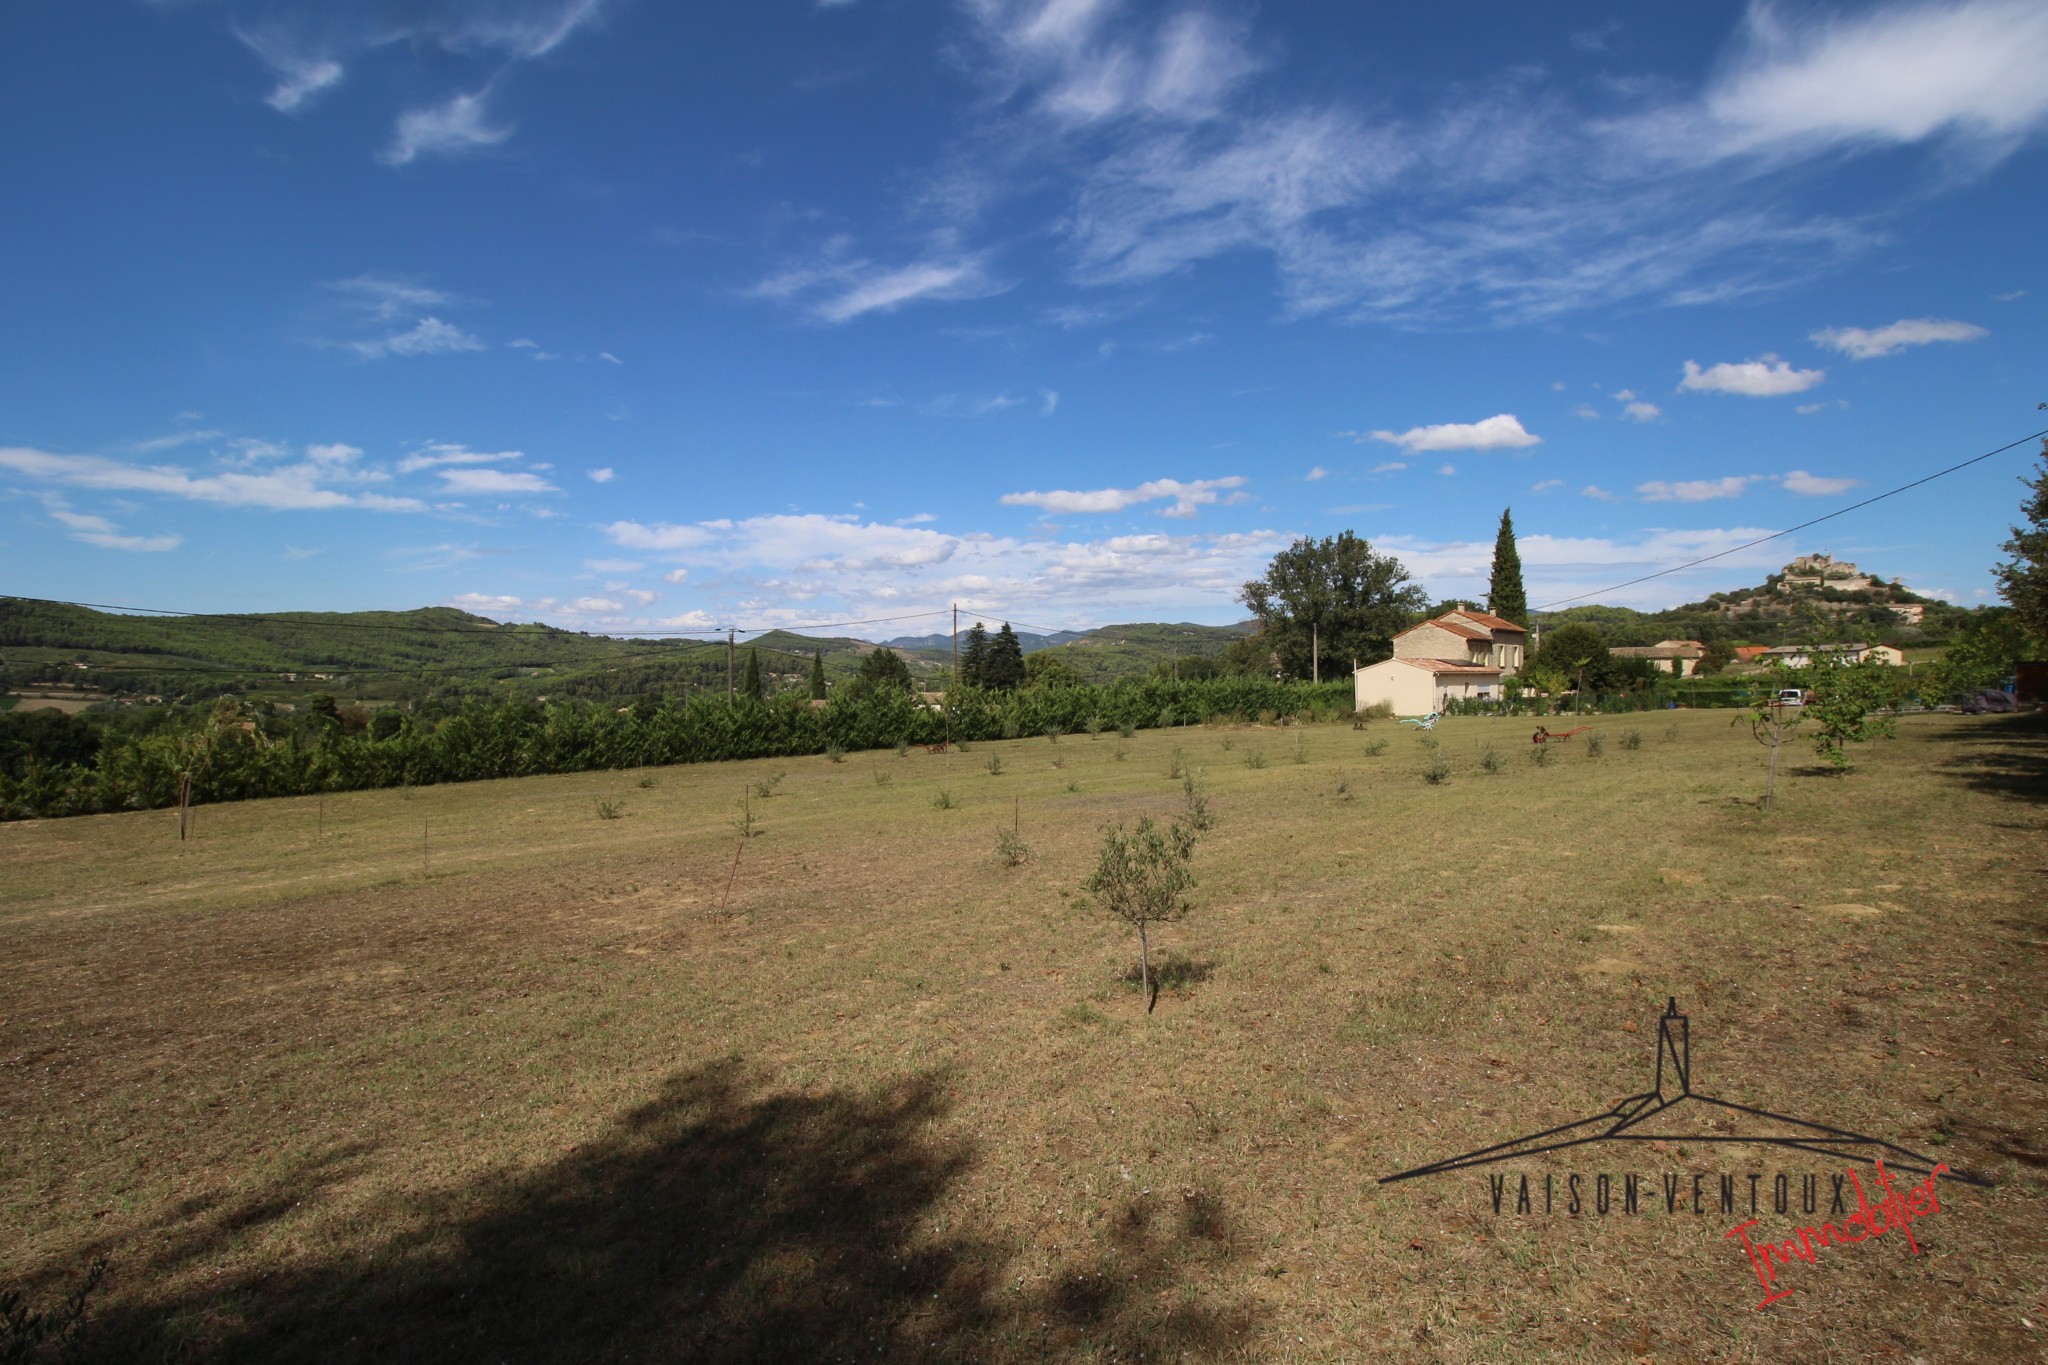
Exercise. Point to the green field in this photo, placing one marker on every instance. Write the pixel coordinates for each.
(471, 1073)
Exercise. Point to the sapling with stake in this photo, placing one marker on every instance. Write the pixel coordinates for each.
(1142, 877)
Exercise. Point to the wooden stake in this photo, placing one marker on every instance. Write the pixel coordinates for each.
(184, 805)
(1017, 815)
(423, 848)
(742, 848)
(320, 832)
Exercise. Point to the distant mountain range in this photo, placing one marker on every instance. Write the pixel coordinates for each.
(1025, 638)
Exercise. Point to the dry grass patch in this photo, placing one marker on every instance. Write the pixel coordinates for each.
(544, 1101)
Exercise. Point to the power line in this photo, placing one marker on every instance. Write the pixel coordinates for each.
(1775, 535)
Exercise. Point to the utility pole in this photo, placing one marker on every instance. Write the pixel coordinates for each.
(728, 666)
(956, 644)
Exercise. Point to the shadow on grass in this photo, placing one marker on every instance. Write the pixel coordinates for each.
(718, 1222)
(2008, 757)
(1174, 971)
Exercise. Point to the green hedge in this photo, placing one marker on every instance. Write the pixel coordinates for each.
(229, 762)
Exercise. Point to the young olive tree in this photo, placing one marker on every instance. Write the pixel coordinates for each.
(1852, 701)
(1142, 878)
(1772, 722)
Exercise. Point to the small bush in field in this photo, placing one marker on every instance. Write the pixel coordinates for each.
(902, 748)
(1541, 756)
(1255, 758)
(1011, 851)
(1596, 744)
(943, 801)
(1437, 770)
(1671, 732)
(1177, 766)
(1197, 814)
(646, 780)
(1125, 729)
(994, 764)
(835, 753)
(1493, 760)
(1631, 739)
(1094, 725)
(610, 810)
(1052, 734)
(1301, 748)
(1376, 747)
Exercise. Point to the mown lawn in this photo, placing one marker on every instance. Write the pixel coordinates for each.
(541, 1091)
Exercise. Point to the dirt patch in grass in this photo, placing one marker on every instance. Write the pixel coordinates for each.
(554, 1096)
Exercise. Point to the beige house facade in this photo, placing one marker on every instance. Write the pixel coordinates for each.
(1469, 637)
(1680, 658)
(1416, 687)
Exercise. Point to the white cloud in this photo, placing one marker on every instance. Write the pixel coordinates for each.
(613, 565)
(605, 475)
(1623, 395)
(1859, 343)
(1596, 492)
(1500, 432)
(1317, 473)
(676, 576)
(1389, 466)
(429, 336)
(1448, 470)
(836, 289)
(1899, 74)
(1695, 490)
(437, 453)
(1640, 411)
(296, 487)
(641, 596)
(916, 519)
(385, 297)
(1587, 411)
(1049, 402)
(493, 481)
(601, 606)
(1812, 485)
(95, 530)
(1768, 377)
(484, 604)
(1558, 567)
(1547, 486)
(299, 81)
(334, 453)
(1187, 497)
(609, 358)
(1808, 409)
(460, 124)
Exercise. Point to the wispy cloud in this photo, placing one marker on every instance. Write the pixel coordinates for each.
(1768, 377)
(1174, 140)
(836, 287)
(1860, 343)
(97, 530)
(428, 336)
(1500, 432)
(1812, 485)
(1639, 411)
(1695, 490)
(465, 480)
(1186, 497)
(1314, 474)
(605, 475)
(461, 123)
(306, 485)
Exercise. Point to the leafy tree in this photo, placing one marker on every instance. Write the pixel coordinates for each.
(817, 675)
(1142, 878)
(1047, 669)
(1773, 724)
(2023, 579)
(882, 669)
(1846, 699)
(1577, 652)
(1505, 595)
(1979, 656)
(1331, 598)
(750, 680)
(974, 659)
(1004, 669)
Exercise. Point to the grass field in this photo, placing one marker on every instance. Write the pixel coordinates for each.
(471, 1073)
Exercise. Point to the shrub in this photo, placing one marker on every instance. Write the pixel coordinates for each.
(1177, 766)
(1437, 770)
(1059, 760)
(1052, 734)
(835, 753)
(765, 788)
(1301, 748)
(1011, 851)
(1229, 743)
(1255, 757)
(1094, 726)
(1196, 801)
(1379, 710)
(1376, 747)
(883, 778)
(610, 810)
(1125, 729)
(1631, 739)
(902, 748)
(994, 764)
(646, 780)
(1493, 760)
(1013, 725)
(1540, 755)
(943, 801)
(1596, 744)
(1671, 732)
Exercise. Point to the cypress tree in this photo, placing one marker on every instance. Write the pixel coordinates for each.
(1505, 595)
(1005, 668)
(974, 659)
(817, 675)
(750, 681)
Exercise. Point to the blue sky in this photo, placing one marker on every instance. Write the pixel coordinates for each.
(626, 315)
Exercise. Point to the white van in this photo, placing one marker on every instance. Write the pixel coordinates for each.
(1791, 696)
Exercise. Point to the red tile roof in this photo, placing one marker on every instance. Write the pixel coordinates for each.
(1448, 666)
(1490, 622)
(1454, 627)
